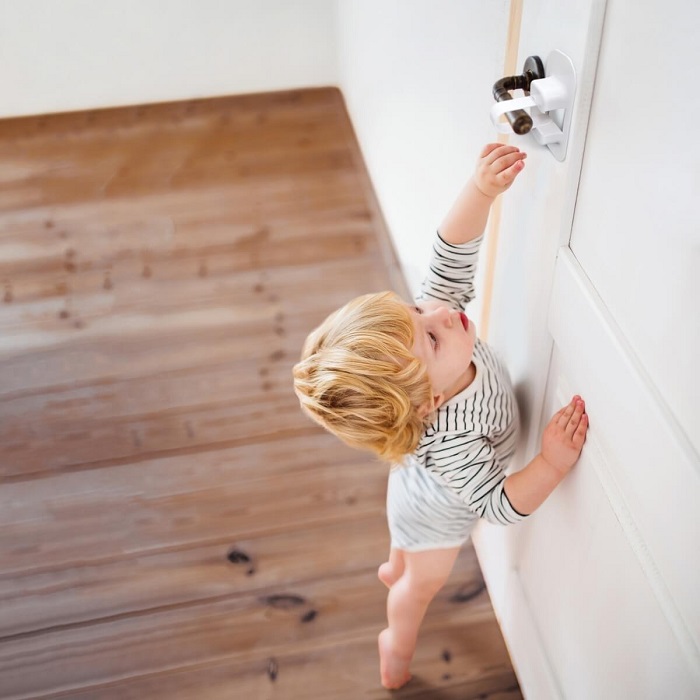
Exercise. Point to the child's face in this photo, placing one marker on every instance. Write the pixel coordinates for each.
(444, 341)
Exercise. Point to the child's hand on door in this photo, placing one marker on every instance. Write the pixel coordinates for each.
(564, 436)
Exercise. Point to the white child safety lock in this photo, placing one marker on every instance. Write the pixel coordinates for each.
(546, 109)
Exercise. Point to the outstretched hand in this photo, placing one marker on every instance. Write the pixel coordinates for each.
(564, 436)
(497, 168)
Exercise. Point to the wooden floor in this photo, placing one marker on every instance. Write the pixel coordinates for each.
(171, 525)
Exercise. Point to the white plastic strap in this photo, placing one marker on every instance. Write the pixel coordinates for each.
(500, 108)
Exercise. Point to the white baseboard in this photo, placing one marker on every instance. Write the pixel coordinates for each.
(494, 548)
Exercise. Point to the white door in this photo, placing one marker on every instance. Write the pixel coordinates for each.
(597, 293)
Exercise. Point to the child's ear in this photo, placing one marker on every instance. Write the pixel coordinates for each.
(428, 407)
(424, 409)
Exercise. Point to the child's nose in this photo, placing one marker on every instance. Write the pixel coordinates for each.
(444, 315)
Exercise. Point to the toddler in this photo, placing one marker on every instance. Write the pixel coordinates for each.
(413, 384)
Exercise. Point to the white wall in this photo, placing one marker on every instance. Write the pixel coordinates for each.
(417, 78)
(64, 55)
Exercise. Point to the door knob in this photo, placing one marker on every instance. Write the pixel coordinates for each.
(549, 96)
(519, 119)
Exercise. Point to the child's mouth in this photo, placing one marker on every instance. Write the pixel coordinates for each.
(465, 320)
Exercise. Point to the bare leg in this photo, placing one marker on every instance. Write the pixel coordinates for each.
(390, 571)
(424, 575)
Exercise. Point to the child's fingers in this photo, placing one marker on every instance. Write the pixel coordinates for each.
(563, 416)
(575, 419)
(557, 415)
(506, 161)
(509, 174)
(579, 436)
(566, 413)
(497, 153)
(511, 166)
(560, 412)
(488, 148)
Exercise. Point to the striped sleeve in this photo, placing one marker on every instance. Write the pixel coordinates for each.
(470, 467)
(451, 272)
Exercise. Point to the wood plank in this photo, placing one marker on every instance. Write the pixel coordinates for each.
(210, 307)
(100, 443)
(107, 588)
(58, 151)
(79, 527)
(190, 277)
(477, 669)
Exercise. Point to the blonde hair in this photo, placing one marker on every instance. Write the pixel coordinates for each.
(358, 378)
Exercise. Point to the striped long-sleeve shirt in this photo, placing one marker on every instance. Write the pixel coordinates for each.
(473, 435)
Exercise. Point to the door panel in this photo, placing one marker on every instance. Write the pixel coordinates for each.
(649, 488)
(642, 162)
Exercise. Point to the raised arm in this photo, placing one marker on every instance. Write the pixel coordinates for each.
(496, 169)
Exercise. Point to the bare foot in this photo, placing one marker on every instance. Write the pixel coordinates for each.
(393, 668)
